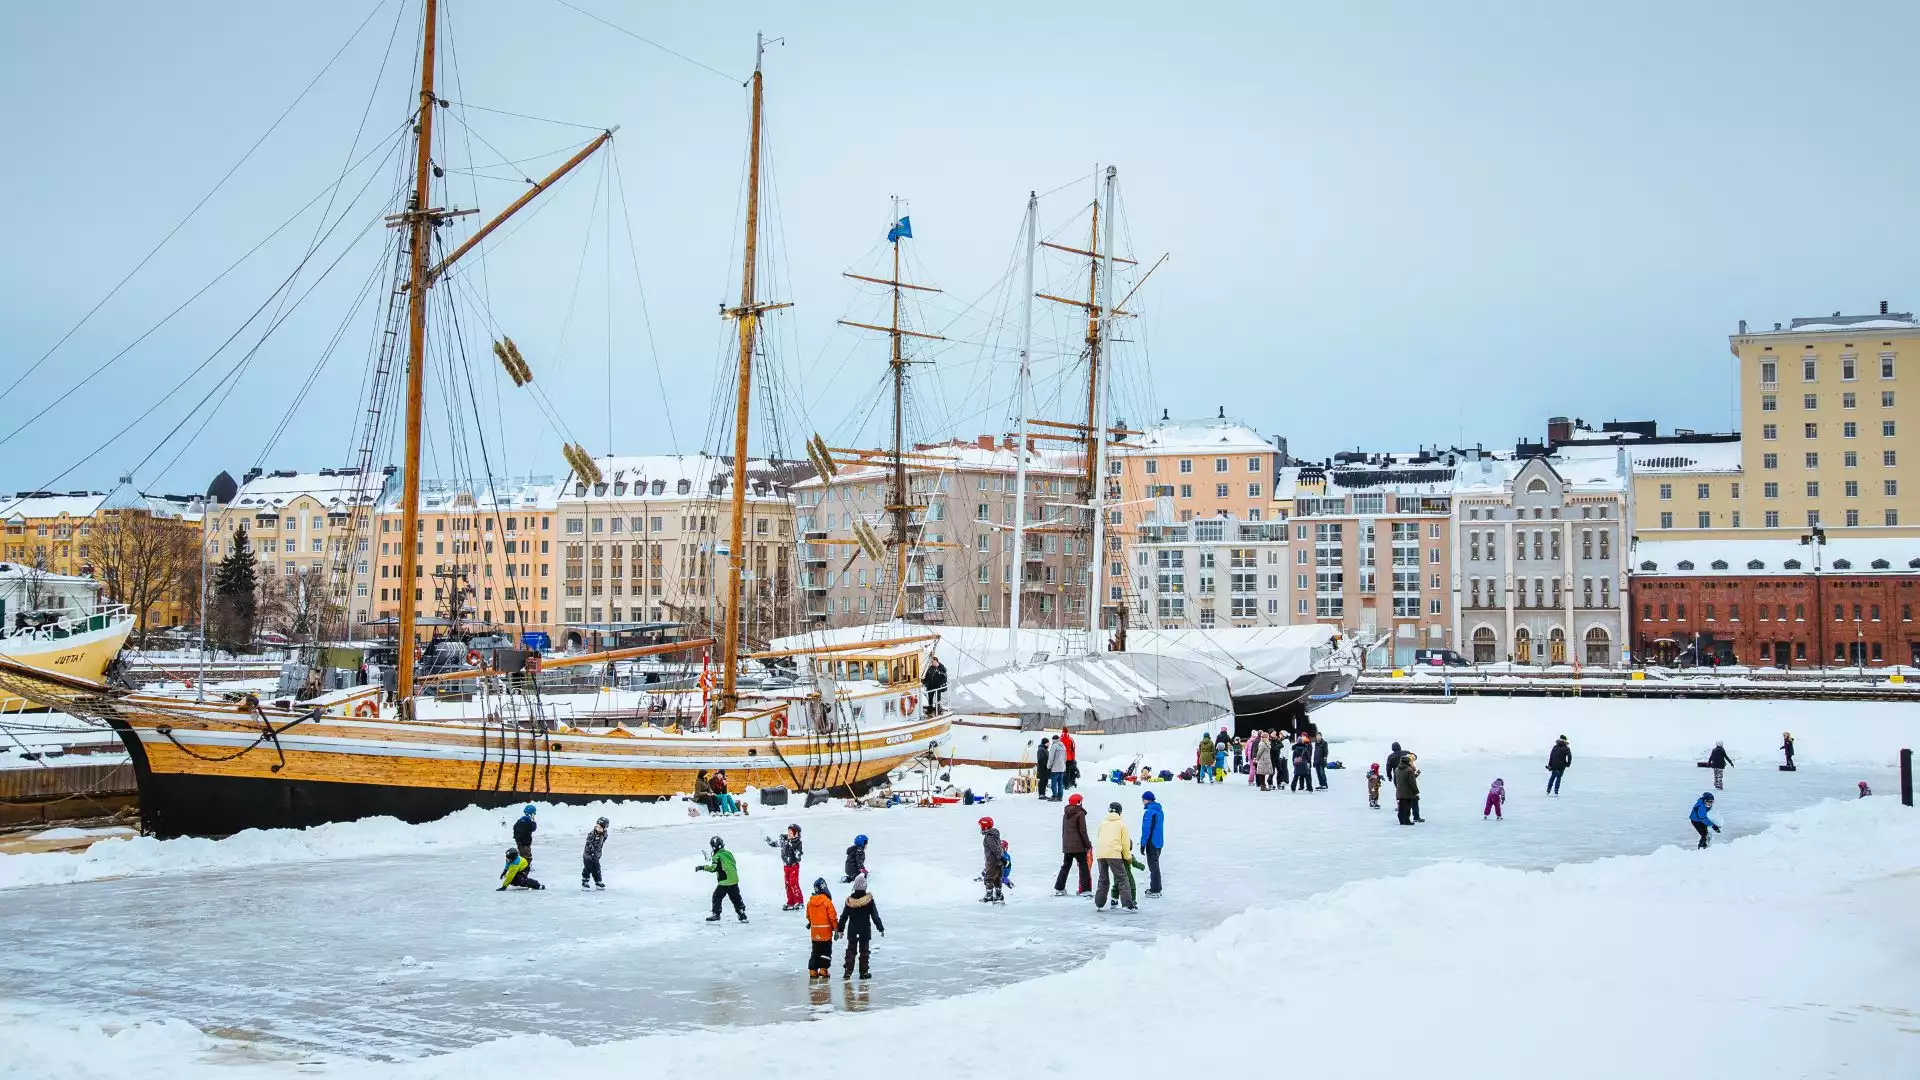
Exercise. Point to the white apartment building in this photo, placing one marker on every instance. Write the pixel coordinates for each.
(960, 563)
(1208, 572)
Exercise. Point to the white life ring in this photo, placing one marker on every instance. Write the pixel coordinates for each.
(366, 707)
(778, 725)
(908, 703)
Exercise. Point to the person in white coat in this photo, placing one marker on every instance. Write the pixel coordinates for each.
(1057, 767)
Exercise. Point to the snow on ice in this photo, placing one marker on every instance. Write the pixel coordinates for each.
(1582, 936)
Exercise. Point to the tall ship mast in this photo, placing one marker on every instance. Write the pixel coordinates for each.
(502, 728)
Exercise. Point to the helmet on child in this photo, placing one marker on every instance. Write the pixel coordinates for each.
(860, 841)
(529, 809)
(1073, 799)
(512, 852)
(986, 823)
(603, 823)
(1706, 796)
(794, 829)
(819, 884)
(716, 843)
(1113, 808)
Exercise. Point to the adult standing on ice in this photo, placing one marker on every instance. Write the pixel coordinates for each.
(858, 921)
(1114, 848)
(1073, 757)
(1057, 768)
(1042, 766)
(1075, 848)
(1701, 816)
(1153, 837)
(523, 831)
(1262, 759)
(1203, 759)
(1277, 749)
(1406, 788)
(1558, 759)
(1320, 759)
(1719, 761)
(1303, 763)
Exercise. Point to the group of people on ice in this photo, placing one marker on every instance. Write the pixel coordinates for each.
(518, 872)
(1263, 758)
(1056, 766)
(1110, 847)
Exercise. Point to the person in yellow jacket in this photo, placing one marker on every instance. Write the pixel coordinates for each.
(821, 921)
(1113, 847)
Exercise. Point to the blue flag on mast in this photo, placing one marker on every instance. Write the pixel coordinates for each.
(901, 228)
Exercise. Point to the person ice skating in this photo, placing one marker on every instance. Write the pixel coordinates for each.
(1864, 789)
(1114, 848)
(1220, 748)
(790, 851)
(516, 872)
(856, 859)
(1701, 821)
(1057, 769)
(858, 921)
(1496, 800)
(1073, 758)
(727, 883)
(1719, 761)
(1042, 766)
(822, 925)
(1393, 760)
(1406, 788)
(1262, 758)
(1374, 780)
(590, 858)
(1277, 749)
(1320, 759)
(1153, 837)
(994, 852)
(523, 831)
(1786, 747)
(935, 682)
(1303, 763)
(1006, 864)
(1239, 756)
(1558, 760)
(1075, 848)
(1203, 760)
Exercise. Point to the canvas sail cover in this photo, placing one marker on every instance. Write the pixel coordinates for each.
(1118, 693)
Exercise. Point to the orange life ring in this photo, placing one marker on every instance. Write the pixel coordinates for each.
(473, 658)
(532, 666)
(366, 707)
(778, 726)
(909, 703)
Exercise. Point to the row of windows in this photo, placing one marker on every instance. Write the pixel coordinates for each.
(1186, 465)
(1862, 613)
(1810, 368)
(1546, 593)
(1220, 491)
(1848, 400)
(1848, 459)
(1771, 490)
(1848, 430)
(1704, 491)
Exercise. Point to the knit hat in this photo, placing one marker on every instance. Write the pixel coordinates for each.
(1146, 796)
(860, 882)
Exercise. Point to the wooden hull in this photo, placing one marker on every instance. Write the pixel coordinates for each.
(214, 769)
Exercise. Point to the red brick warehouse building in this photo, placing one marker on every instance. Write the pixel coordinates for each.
(1761, 603)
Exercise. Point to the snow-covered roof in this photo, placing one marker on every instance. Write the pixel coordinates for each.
(1214, 435)
(330, 488)
(1738, 557)
(501, 494)
(1838, 326)
(1718, 457)
(47, 504)
(626, 478)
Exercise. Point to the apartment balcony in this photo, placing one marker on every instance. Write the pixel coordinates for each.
(814, 615)
(1035, 556)
(813, 588)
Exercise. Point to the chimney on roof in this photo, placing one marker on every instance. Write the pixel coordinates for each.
(1776, 326)
(1223, 412)
(1743, 326)
(1163, 416)
(984, 442)
(251, 475)
(1883, 307)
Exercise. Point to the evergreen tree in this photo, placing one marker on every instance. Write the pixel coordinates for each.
(235, 598)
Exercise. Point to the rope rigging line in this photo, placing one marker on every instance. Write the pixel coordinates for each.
(204, 199)
(650, 41)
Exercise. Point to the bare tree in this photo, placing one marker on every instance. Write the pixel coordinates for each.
(298, 605)
(144, 561)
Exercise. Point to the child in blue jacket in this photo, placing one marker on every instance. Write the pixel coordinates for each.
(1701, 821)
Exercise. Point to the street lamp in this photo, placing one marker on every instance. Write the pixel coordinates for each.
(1816, 538)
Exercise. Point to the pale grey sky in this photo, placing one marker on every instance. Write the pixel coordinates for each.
(1389, 224)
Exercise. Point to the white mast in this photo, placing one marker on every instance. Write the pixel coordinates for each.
(1018, 574)
(1100, 417)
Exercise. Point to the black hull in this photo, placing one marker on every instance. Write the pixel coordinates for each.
(1287, 708)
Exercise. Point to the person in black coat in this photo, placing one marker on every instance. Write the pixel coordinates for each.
(935, 683)
(1558, 759)
(1303, 764)
(590, 857)
(1041, 774)
(1786, 747)
(1719, 761)
(858, 921)
(856, 859)
(1320, 760)
(523, 835)
(1277, 746)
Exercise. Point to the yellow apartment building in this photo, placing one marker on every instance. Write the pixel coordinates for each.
(485, 556)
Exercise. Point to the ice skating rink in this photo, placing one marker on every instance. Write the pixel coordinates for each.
(381, 948)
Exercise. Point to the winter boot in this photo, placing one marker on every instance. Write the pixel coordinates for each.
(599, 884)
(1059, 892)
(743, 916)
(715, 917)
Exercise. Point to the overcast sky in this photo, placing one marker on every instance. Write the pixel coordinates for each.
(1388, 224)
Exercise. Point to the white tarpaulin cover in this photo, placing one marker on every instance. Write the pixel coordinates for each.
(1254, 660)
(1119, 693)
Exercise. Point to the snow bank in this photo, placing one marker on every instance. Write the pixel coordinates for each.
(1788, 953)
(1862, 733)
(366, 838)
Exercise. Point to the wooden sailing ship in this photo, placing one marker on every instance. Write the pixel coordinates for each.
(218, 767)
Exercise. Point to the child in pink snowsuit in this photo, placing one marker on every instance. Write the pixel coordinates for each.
(1496, 798)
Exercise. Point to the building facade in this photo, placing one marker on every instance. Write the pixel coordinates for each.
(484, 556)
(1372, 537)
(1213, 571)
(1767, 602)
(1829, 413)
(960, 567)
(312, 536)
(1539, 559)
(648, 543)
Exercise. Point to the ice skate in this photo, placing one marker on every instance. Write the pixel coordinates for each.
(1059, 892)
(1153, 894)
(743, 916)
(599, 884)
(715, 917)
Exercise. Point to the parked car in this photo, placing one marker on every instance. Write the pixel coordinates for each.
(1439, 658)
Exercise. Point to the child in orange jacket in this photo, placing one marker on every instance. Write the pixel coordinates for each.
(821, 922)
